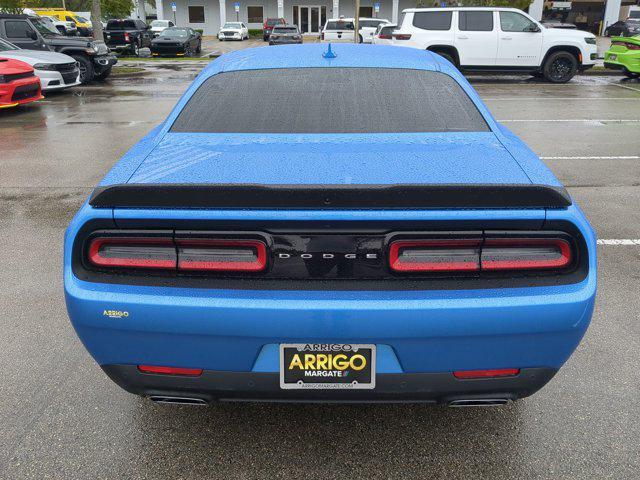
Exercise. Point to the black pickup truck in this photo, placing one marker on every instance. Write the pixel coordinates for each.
(127, 35)
(31, 33)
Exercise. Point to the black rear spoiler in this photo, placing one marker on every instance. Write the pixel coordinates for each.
(254, 196)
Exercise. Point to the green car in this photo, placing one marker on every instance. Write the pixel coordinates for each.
(624, 55)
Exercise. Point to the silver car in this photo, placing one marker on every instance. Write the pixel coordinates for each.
(55, 70)
(285, 35)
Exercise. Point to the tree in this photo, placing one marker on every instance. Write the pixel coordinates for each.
(96, 20)
(11, 6)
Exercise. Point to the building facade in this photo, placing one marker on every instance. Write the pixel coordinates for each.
(310, 15)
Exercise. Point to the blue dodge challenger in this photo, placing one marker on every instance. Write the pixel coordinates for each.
(349, 225)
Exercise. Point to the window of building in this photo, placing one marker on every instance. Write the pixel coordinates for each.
(196, 14)
(432, 20)
(255, 14)
(475, 21)
(366, 12)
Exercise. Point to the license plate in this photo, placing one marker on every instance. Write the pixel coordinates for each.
(612, 57)
(327, 366)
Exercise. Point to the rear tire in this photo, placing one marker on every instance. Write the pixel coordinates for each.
(360, 40)
(448, 56)
(560, 67)
(87, 71)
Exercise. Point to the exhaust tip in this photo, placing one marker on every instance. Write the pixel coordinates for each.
(479, 402)
(178, 400)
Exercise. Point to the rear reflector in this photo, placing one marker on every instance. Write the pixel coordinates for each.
(222, 255)
(187, 372)
(502, 372)
(435, 255)
(133, 252)
(525, 254)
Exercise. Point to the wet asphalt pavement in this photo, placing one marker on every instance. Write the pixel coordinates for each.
(60, 417)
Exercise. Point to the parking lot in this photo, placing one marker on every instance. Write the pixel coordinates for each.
(61, 417)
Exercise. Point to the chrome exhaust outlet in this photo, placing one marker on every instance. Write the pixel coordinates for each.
(479, 402)
(178, 400)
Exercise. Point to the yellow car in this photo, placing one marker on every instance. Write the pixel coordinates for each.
(84, 26)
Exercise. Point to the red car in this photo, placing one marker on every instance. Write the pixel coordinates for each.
(18, 83)
(268, 25)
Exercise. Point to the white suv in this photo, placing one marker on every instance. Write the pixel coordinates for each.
(497, 40)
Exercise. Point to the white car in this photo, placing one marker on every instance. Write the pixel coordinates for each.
(158, 26)
(368, 28)
(498, 40)
(233, 31)
(64, 27)
(384, 34)
(55, 70)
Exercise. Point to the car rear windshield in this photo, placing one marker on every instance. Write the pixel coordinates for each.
(330, 100)
(340, 26)
(285, 29)
(121, 25)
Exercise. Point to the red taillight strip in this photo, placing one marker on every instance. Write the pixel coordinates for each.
(258, 265)
(437, 246)
(494, 246)
(187, 372)
(500, 372)
(97, 259)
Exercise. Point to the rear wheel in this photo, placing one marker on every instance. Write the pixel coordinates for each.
(86, 68)
(560, 67)
(447, 55)
(360, 39)
(135, 49)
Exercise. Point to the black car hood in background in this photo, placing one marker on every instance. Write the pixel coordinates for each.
(169, 40)
(61, 41)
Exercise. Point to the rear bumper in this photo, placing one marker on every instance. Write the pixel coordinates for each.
(442, 388)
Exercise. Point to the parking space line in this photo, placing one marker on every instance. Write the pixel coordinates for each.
(620, 241)
(621, 157)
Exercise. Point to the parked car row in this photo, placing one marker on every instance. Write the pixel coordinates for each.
(29, 32)
(343, 29)
(65, 21)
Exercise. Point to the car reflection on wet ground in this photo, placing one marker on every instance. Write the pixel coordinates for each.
(62, 418)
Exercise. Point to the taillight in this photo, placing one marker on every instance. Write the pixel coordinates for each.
(435, 255)
(525, 254)
(475, 255)
(126, 37)
(385, 36)
(186, 372)
(401, 36)
(632, 46)
(493, 373)
(133, 252)
(221, 255)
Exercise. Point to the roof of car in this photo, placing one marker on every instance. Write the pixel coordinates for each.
(347, 55)
(440, 9)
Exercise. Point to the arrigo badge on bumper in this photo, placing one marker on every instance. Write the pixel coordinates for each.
(327, 366)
